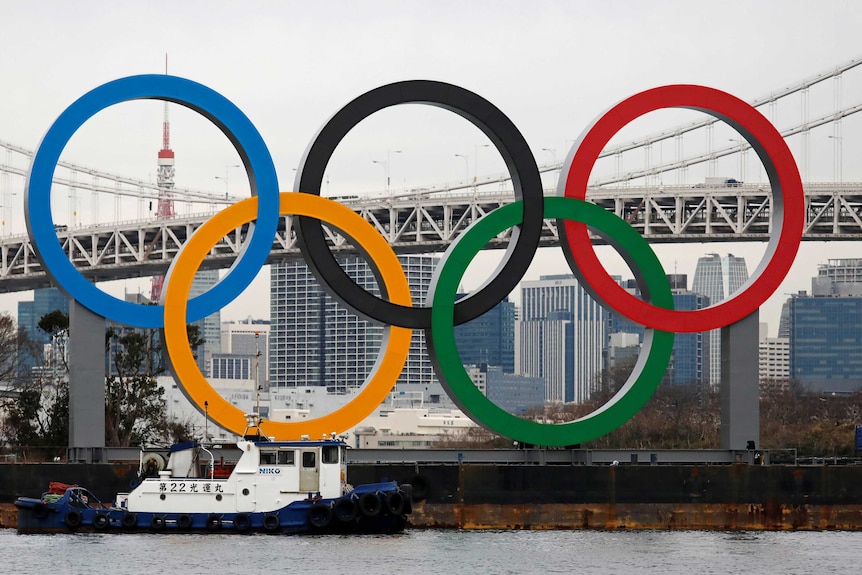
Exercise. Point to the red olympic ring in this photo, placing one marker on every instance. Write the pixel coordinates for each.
(788, 203)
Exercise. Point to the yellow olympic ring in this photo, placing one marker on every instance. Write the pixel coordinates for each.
(396, 340)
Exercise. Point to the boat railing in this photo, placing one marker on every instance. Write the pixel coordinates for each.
(211, 465)
(85, 498)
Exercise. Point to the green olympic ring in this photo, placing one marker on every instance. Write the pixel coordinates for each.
(642, 382)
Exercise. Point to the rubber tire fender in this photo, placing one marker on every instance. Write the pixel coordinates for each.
(271, 522)
(157, 523)
(394, 502)
(213, 522)
(130, 520)
(319, 515)
(345, 509)
(101, 521)
(242, 522)
(370, 504)
(73, 519)
(184, 521)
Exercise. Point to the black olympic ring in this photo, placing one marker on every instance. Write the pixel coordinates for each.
(519, 160)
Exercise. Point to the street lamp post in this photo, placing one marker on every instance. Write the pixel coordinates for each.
(386, 163)
(226, 178)
(466, 166)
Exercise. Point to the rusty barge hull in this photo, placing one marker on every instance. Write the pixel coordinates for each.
(731, 497)
(488, 496)
(609, 516)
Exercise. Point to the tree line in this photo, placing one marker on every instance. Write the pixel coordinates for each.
(34, 413)
(689, 417)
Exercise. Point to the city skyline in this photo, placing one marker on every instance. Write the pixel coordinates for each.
(412, 147)
(828, 312)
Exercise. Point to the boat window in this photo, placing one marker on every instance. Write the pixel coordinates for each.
(330, 454)
(286, 457)
(308, 459)
(267, 457)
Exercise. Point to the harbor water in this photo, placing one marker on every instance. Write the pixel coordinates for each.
(438, 552)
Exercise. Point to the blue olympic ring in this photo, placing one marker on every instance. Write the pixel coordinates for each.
(216, 108)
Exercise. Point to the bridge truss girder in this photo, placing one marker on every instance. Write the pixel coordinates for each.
(430, 224)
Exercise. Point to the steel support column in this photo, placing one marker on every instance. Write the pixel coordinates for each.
(86, 385)
(740, 398)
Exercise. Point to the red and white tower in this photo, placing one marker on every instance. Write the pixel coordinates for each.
(165, 180)
(165, 176)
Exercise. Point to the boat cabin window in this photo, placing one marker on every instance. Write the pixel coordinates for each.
(330, 454)
(308, 459)
(280, 457)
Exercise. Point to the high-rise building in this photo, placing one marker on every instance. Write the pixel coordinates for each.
(244, 353)
(561, 334)
(248, 338)
(509, 392)
(314, 340)
(773, 362)
(490, 338)
(718, 277)
(838, 277)
(826, 343)
(690, 356)
(209, 326)
(44, 301)
(784, 321)
(825, 329)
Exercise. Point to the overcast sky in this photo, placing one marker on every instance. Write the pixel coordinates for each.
(552, 67)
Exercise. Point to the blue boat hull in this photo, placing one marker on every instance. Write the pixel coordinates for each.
(372, 508)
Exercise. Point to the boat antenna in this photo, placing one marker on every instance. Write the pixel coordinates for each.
(257, 369)
(206, 419)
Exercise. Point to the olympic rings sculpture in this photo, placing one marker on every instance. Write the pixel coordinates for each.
(393, 308)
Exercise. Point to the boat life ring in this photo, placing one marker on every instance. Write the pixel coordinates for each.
(157, 523)
(184, 521)
(369, 504)
(213, 522)
(320, 515)
(40, 511)
(73, 519)
(271, 522)
(345, 509)
(101, 521)
(394, 502)
(130, 520)
(241, 522)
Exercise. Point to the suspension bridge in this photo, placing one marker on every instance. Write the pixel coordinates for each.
(631, 179)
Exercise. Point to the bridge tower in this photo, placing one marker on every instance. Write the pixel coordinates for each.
(165, 180)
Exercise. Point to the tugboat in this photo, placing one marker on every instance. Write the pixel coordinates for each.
(274, 487)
